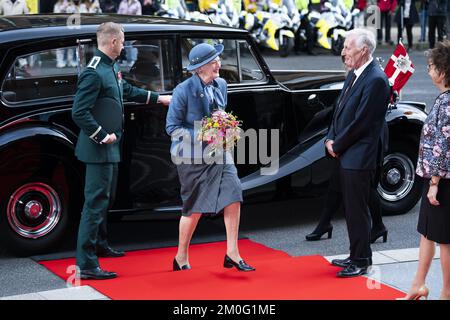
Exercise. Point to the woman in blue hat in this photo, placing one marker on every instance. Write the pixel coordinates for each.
(207, 187)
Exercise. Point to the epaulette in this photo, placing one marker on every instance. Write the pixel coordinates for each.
(94, 62)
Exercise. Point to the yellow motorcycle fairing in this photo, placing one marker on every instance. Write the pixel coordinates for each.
(323, 31)
(270, 27)
(287, 33)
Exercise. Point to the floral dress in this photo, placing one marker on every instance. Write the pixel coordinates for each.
(434, 148)
(434, 160)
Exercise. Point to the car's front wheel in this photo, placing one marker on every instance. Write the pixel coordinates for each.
(399, 187)
(34, 216)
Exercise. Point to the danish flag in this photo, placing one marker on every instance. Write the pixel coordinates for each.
(399, 68)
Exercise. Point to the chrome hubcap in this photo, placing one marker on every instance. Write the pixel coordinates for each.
(397, 177)
(393, 176)
(33, 210)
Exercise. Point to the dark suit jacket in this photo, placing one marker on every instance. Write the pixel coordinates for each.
(357, 123)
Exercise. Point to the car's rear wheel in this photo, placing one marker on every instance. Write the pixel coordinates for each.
(399, 187)
(34, 217)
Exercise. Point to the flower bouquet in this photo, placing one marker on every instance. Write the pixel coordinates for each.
(220, 131)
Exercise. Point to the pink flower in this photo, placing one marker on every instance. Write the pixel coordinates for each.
(446, 131)
(437, 151)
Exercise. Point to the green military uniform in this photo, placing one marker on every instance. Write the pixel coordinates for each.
(101, 78)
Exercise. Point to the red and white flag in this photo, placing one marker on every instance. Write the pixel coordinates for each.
(399, 68)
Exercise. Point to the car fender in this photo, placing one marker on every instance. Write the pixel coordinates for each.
(20, 132)
(299, 158)
(406, 111)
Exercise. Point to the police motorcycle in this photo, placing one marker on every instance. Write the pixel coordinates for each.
(291, 10)
(217, 14)
(268, 30)
(176, 9)
(338, 19)
(232, 11)
(198, 16)
(319, 26)
(283, 29)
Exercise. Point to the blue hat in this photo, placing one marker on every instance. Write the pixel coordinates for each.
(203, 53)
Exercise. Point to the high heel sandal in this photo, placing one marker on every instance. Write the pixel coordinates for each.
(177, 267)
(319, 232)
(241, 265)
(422, 292)
(374, 235)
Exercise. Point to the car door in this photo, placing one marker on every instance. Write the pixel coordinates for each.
(147, 174)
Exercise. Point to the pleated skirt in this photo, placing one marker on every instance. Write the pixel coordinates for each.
(434, 221)
(208, 188)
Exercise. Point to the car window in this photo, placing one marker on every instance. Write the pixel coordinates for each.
(148, 64)
(40, 75)
(250, 69)
(53, 73)
(238, 63)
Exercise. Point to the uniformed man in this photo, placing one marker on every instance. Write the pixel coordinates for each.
(100, 149)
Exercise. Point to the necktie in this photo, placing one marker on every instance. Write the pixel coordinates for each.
(347, 90)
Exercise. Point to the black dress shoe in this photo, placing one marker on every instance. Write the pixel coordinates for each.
(96, 274)
(352, 270)
(319, 232)
(343, 263)
(109, 252)
(241, 266)
(177, 267)
(377, 233)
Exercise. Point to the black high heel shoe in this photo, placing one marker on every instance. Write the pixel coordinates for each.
(176, 266)
(375, 234)
(241, 266)
(319, 232)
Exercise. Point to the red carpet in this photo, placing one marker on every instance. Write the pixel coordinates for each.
(147, 274)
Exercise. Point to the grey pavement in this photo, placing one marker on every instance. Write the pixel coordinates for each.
(23, 275)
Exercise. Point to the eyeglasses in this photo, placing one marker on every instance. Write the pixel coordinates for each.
(429, 66)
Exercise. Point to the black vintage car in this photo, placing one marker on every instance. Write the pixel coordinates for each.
(41, 182)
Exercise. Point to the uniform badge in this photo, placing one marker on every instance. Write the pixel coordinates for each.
(94, 62)
(119, 77)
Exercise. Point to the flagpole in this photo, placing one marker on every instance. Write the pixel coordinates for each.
(401, 20)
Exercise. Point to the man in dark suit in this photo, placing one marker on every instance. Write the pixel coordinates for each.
(99, 147)
(353, 138)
